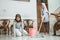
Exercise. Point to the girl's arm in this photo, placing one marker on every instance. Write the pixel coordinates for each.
(22, 24)
(13, 24)
(14, 27)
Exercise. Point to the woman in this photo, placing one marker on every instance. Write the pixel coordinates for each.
(18, 26)
(46, 18)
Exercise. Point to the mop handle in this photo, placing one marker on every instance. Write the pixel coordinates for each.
(41, 23)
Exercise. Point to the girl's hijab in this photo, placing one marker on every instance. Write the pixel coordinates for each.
(18, 15)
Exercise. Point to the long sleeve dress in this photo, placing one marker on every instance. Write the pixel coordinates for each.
(18, 28)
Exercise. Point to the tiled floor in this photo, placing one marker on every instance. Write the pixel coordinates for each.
(39, 37)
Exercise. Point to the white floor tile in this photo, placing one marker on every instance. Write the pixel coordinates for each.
(46, 37)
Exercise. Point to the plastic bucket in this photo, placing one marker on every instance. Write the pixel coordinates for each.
(32, 31)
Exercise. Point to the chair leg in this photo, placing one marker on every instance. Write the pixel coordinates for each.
(54, 31)
(0, 31)
(5, 30)
(11, 31)
(8, 31)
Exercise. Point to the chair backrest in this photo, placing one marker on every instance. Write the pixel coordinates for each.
(28, 22)
(5, 22)
(57, 16)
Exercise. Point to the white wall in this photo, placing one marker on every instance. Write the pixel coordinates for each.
(9, 8)
(53, 5)
(57, 10)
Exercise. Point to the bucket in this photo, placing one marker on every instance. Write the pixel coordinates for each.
(32, 31)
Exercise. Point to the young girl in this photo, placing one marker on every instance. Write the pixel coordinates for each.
(18, 26)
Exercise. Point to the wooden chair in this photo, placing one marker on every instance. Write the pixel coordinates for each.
(57, 24)
(5, 25)
(28, 23)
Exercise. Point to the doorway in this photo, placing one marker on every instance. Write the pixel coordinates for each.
(39, 13)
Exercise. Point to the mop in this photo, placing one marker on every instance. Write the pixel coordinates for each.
(41, 25)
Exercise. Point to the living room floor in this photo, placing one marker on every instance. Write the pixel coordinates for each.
(37, 37)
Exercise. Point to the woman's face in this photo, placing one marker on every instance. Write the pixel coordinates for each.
(18, 18)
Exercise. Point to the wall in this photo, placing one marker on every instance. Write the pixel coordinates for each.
(53, 5)
(9, 8)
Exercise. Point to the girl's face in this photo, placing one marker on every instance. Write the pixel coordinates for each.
(18, 18)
